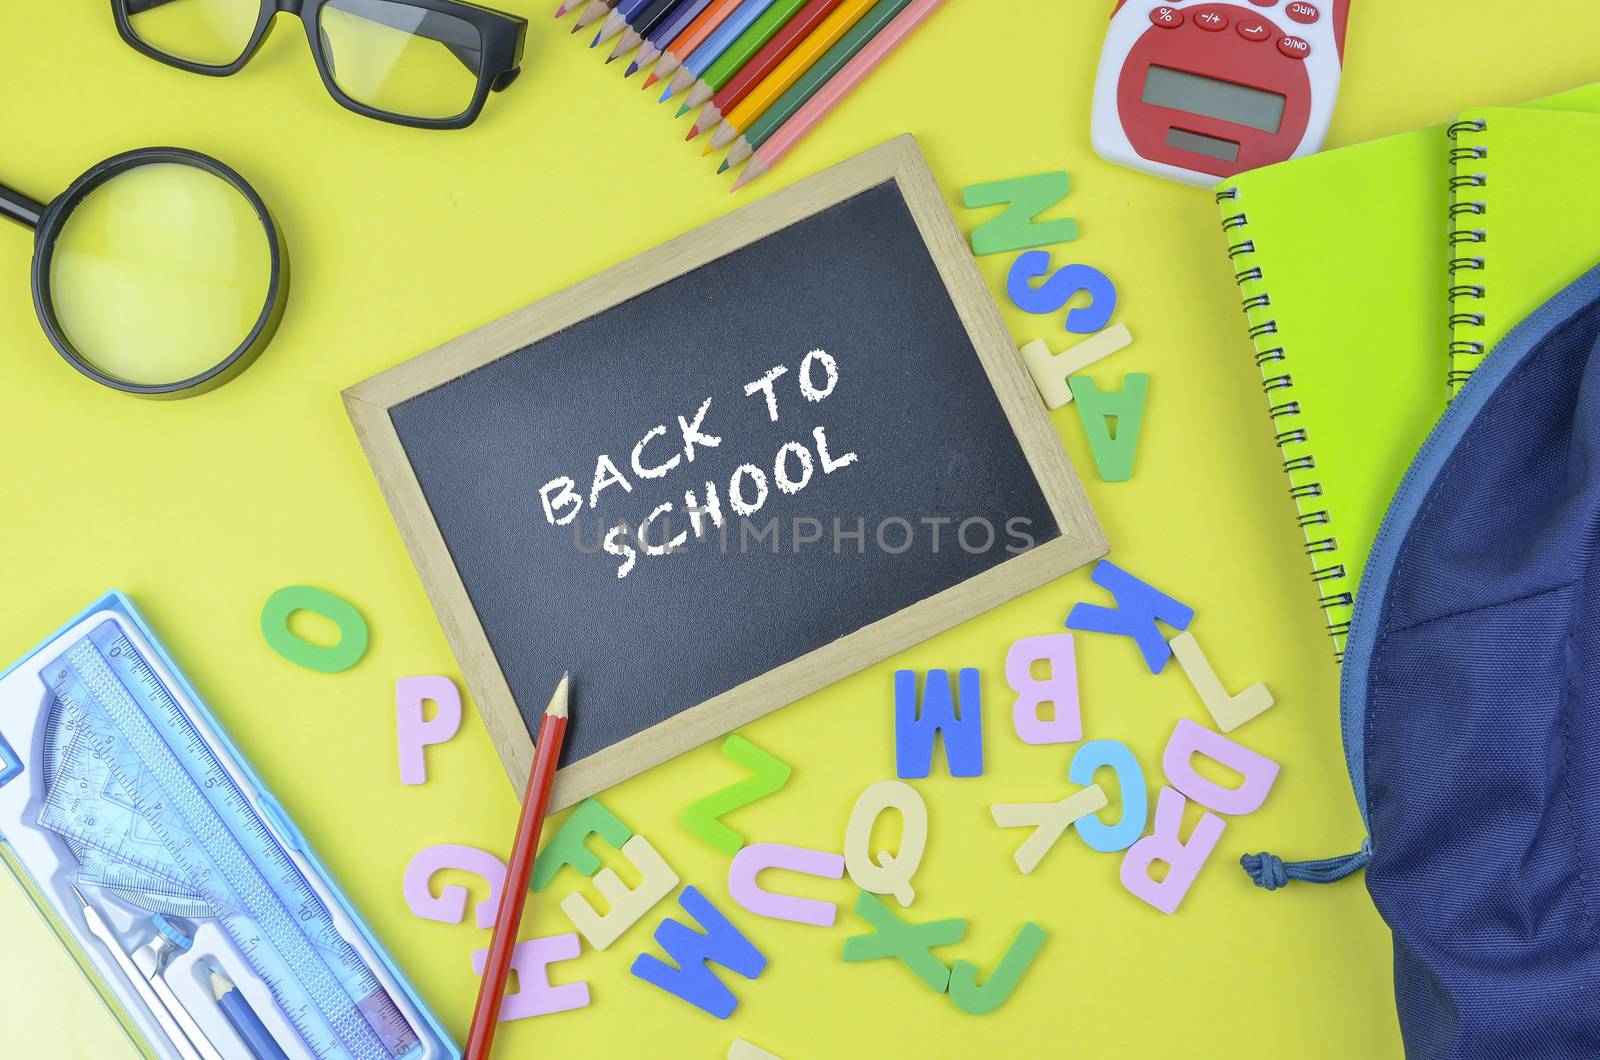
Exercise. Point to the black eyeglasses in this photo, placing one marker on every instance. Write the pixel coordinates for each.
(425, 63)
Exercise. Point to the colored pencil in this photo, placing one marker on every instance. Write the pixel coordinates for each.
(618, 20)
(491, 992)
(757, 37)
(644, 24)
(805, 55)
(669, 30)
(713, 49)
(592, 13)
(777, 49)
(696, 34)
(860, 35)
(821, 105)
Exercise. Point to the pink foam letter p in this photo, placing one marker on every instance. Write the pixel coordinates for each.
(410, 693)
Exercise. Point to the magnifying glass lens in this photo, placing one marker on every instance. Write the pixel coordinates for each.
(159, 273)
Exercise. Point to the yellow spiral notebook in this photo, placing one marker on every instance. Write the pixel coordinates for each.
(1341, 261)
(1525, 220)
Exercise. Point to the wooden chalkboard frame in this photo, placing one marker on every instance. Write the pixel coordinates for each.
(901, 160)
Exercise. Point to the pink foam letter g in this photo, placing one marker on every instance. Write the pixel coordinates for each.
(757, 856)
(1190, 739)
(1183, 859)
(415, 733)
(451, 904)
(1060, 689)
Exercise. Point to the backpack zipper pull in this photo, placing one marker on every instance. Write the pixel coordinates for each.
(1268, 871)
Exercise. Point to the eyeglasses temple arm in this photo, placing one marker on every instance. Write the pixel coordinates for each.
(15, 206)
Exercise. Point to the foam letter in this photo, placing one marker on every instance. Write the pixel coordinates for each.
(1229, 712)
(1016, 228)
(894, 937)
(914, 735)
(531, 961)
(1139, 606)
(1049, 820)
(275, 614)
(1098, 754)
(743, 1050)
(415, 733)
(752, 859)
(692, 980)
(1189, 739)
(628, 906)
(1113, 453)
(1060, 288)
(977, 1000)
(566, 846)
(1051, 371)
(1183, 859)
(885, 874)
(451, 904)
(1060, 689)
(768, 773)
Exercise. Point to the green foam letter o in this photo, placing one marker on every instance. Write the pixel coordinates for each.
(346, 653)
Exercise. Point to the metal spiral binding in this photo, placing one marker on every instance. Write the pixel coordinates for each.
(1460, 238)
(1277, 381)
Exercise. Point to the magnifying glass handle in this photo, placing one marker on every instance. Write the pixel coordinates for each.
(15, 206)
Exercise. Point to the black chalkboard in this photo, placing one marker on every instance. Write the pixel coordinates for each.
(908, 476)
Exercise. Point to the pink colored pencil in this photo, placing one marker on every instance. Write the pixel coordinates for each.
(844, 82)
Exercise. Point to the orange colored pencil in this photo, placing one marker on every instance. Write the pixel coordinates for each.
(491, 992)
(693, 35)
(793, 67)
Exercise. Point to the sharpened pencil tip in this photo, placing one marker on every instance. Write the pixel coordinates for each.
(682, 110)
(632, 69)
(723, 168)
(558, 702)
(652, 79)
(596, 42)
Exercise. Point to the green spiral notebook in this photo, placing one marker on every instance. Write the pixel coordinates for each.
(1524, 218)
(1340, 260)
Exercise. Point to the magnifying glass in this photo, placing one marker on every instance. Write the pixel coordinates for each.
(159, 272)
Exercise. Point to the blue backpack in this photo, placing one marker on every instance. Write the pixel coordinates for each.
(1470, 708)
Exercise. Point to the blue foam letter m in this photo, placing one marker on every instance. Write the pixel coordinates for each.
(914, 733)
(692, 980)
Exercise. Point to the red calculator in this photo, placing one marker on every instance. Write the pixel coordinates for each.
(1196, 91)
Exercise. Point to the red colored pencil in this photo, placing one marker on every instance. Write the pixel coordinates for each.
(486, 1014)
(767, 59)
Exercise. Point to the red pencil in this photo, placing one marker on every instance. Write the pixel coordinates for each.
(492, 990)
(767, 59)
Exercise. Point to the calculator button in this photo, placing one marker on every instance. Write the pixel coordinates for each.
(1254, 29)
(1302, 12)
(1294, 47)
(1265, 3)
(1166, 17)
(1215, 21)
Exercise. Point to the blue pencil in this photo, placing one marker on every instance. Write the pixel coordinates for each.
(643, 25)
(251, 1031)
(702, 57)
(661, 37)
(618, 20)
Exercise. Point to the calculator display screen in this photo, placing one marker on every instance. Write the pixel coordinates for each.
(1208, 97)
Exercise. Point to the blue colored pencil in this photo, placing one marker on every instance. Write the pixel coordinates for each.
(618, 20)
(661, 37)
(643, 25)
(251, 1031)
(702, 57)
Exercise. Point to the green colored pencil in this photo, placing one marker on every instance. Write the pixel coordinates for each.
(740, 52)
(832, 61)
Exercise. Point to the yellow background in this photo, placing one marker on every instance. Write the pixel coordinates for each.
(401, 239)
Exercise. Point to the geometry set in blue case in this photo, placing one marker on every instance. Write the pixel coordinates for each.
(181, 888)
